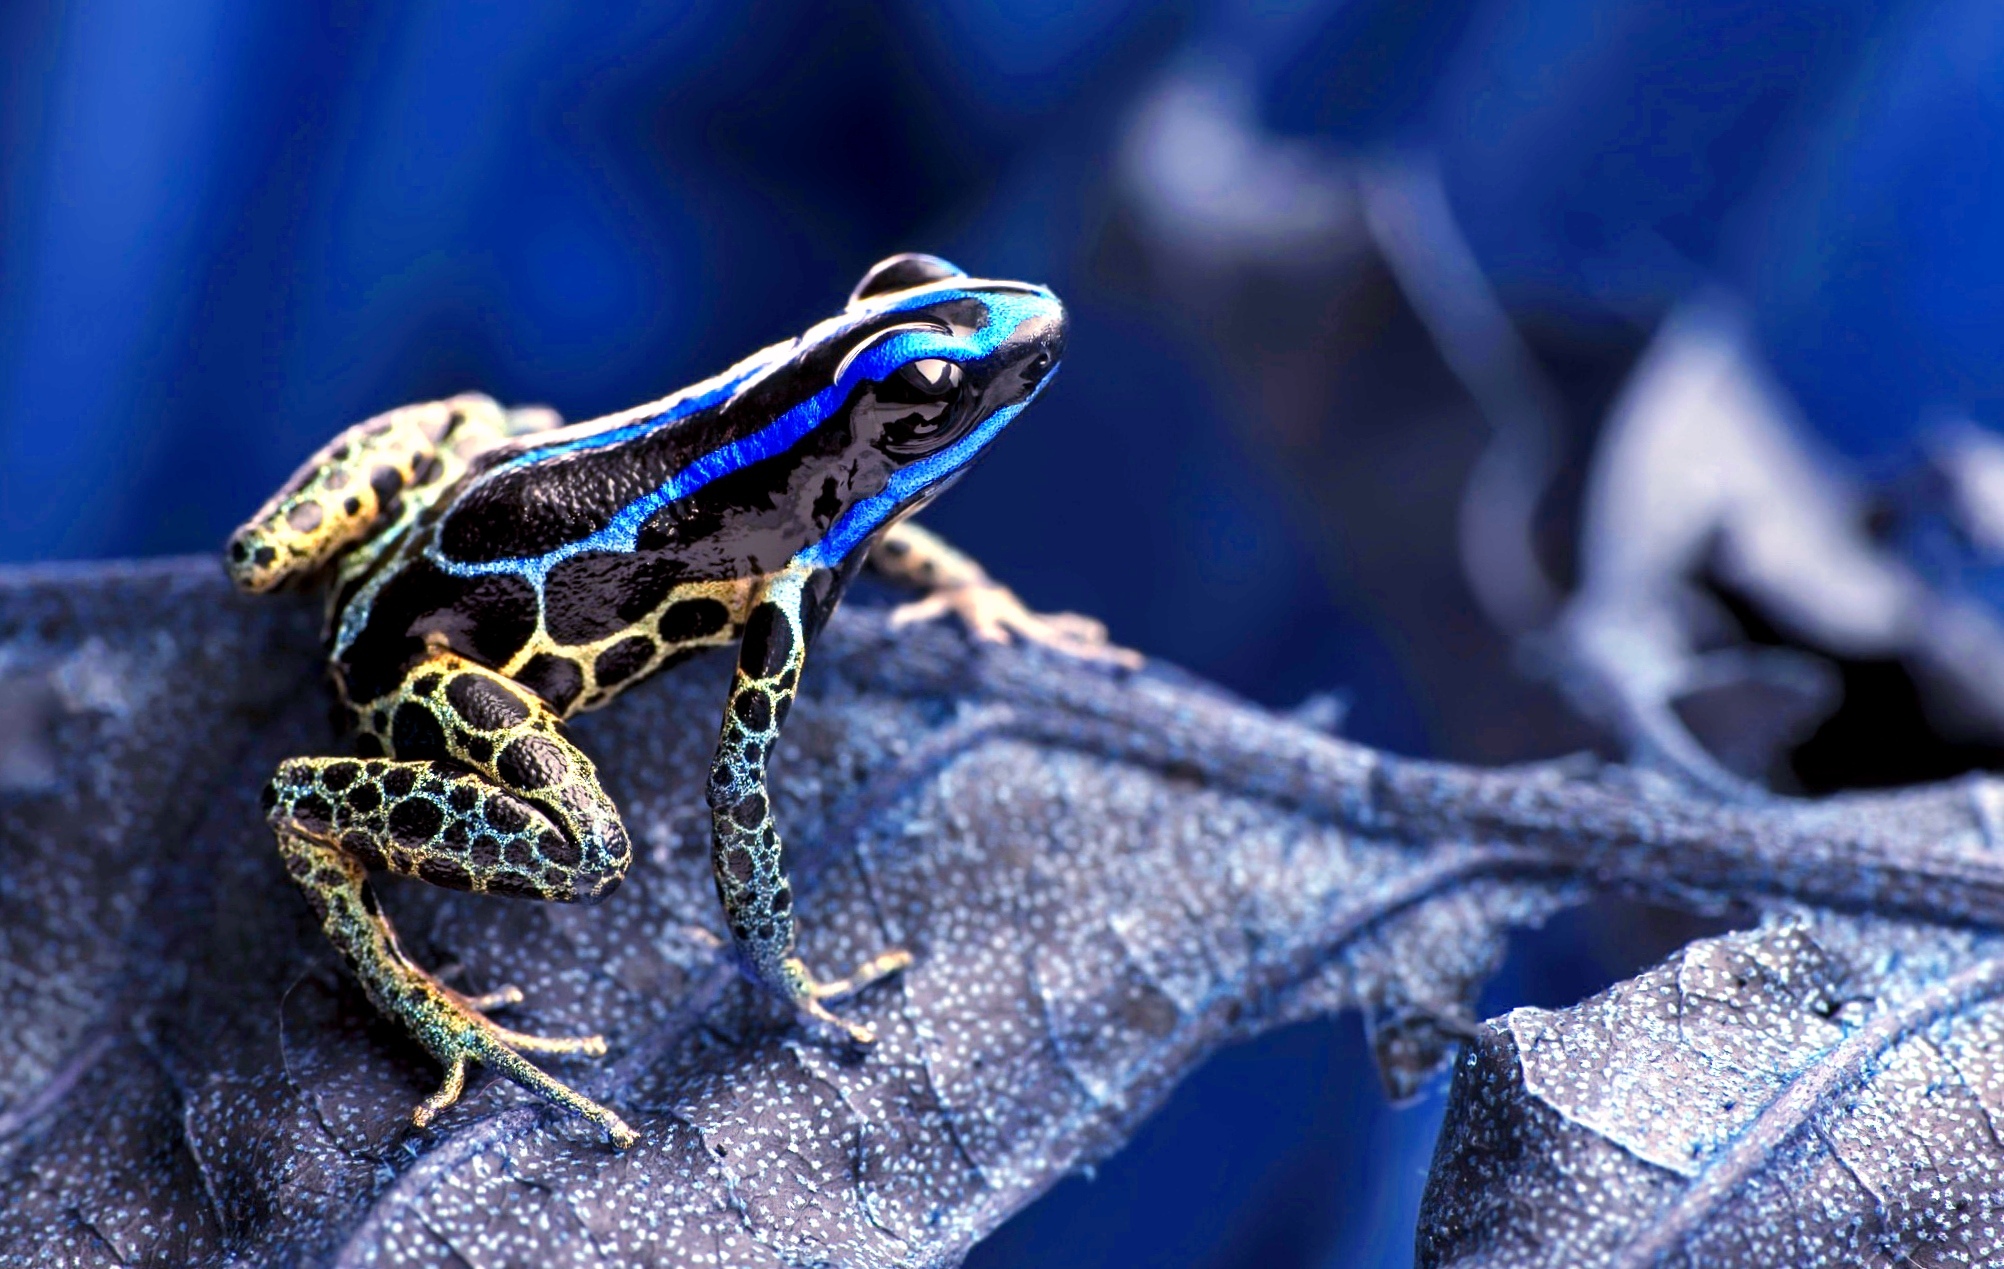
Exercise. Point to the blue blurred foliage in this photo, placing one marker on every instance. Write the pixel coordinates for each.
(232, 228)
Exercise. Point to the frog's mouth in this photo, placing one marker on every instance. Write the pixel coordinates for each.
(938, 487)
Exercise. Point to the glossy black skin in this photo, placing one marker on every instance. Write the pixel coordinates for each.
(531, 496)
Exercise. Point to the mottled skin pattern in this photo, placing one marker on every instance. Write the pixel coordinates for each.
(492, 573)
(745, 852)
(352, 492)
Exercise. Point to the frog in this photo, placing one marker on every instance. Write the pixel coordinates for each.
(491, 573)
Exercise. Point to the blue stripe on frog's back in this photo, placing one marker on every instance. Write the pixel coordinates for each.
(1008, 306)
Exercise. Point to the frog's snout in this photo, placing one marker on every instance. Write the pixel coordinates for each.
(1038, 345)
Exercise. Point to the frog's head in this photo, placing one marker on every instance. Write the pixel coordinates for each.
(930, 365)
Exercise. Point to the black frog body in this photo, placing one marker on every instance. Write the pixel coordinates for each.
(576, 561)
(492, 574)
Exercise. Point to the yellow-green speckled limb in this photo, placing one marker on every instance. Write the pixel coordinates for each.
(745, 847)
(365, 484)
(955, 583)
(479, 790)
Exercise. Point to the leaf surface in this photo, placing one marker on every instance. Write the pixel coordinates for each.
(1104, 878)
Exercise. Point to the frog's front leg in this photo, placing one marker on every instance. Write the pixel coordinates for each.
(745, 849)
(483, 792)
(955, 583)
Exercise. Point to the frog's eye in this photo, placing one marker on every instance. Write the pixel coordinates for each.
(912, 412)
(933, 376)
(902, 273)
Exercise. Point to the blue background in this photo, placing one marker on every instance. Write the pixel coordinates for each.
(231, 228)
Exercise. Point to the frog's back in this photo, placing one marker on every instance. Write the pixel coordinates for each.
(578, 560)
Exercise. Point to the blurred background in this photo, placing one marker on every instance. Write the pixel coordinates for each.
(1492, 379)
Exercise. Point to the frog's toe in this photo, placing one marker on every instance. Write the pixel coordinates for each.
(496, 999)
(920, 611)
(858, 1033)
(882, 966)
(1071, 633)
(511, 1064)
(522, 1042)
(586, 1045)
(448, 1093)
(502, 1057)
(457, 1032)
(994, 615)
(806, 992)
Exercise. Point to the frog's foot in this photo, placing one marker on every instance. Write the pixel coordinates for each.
(452, 1027)
(454, 1030)
(954, 582)
(805, 992)
(993, 614)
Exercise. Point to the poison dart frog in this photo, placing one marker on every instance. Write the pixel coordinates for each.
(492, 573)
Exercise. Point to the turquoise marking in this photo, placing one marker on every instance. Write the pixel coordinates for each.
(1007, 311)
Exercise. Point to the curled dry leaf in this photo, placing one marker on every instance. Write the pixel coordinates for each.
(1105, 876)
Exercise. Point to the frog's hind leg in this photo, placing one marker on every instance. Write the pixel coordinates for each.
(361, 482)
(484, 793)
(451, 1027)
(745, 849)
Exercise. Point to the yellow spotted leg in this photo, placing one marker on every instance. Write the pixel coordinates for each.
(745, 849)
(365, 483)
(479, 790)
